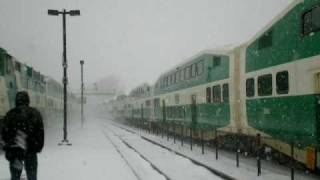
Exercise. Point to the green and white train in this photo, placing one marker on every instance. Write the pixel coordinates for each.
(269, 85)
(45, 93)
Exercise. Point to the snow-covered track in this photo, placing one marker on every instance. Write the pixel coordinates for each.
(143, 157)
(161, 173)
(194, 161)
(122, 157)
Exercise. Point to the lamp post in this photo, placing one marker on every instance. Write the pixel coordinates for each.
(51, 12)
(82, 86)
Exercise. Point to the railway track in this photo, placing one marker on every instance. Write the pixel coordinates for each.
(195, 162)
(137, 152)
(123, 157)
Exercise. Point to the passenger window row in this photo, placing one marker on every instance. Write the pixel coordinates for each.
(265, 86)
(215, 95)
(186, 73)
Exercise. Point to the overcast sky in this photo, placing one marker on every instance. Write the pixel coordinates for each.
(135, 40)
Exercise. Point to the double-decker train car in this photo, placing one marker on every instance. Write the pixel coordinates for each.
(196, 93)
(45, 93)
(139, 104)
(281, 73)
(119, 110)
(269, 86)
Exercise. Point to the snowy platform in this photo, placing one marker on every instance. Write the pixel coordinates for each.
(101, 151)
(91, 156)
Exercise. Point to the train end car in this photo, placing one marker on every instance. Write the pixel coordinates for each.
(282, 82)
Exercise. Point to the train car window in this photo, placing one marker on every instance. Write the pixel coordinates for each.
(162, 82)
(29, 71)
(176, 77)
(9, 65)
(282, 81)
(172, 79)
(181, 75)
(188, 73)
(18, 66)
(311, 21)
(307, 23)
(185, 73)
(200, 68)
(34, 75)
(266, 40)
(193, 70)
(216, 61)
(265, 85)
(216, 93)
(167, 81)
(208, 95)
(316, 18)
(1, 64)
(225, 92)
(250, 87)
(177, 98)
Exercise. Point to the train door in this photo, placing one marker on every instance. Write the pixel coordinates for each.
(193, 109)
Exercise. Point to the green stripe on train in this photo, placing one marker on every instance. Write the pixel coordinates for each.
(208, 115)
(287, 42)
(291, 118)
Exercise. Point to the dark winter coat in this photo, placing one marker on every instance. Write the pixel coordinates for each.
(27, 120)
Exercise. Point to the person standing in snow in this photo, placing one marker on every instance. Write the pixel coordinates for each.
(23, 136)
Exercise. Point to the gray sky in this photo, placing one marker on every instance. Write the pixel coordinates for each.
(135, 40)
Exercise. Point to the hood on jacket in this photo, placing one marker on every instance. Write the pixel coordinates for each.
(22, 99)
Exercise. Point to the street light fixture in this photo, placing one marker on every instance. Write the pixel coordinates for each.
(52, 12)
(75, 13)
(82, 86)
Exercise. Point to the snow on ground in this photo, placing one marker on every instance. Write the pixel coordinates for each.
(141, 168)
(175, 166)
(91, 156)
(98, 153)
(226, 162)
